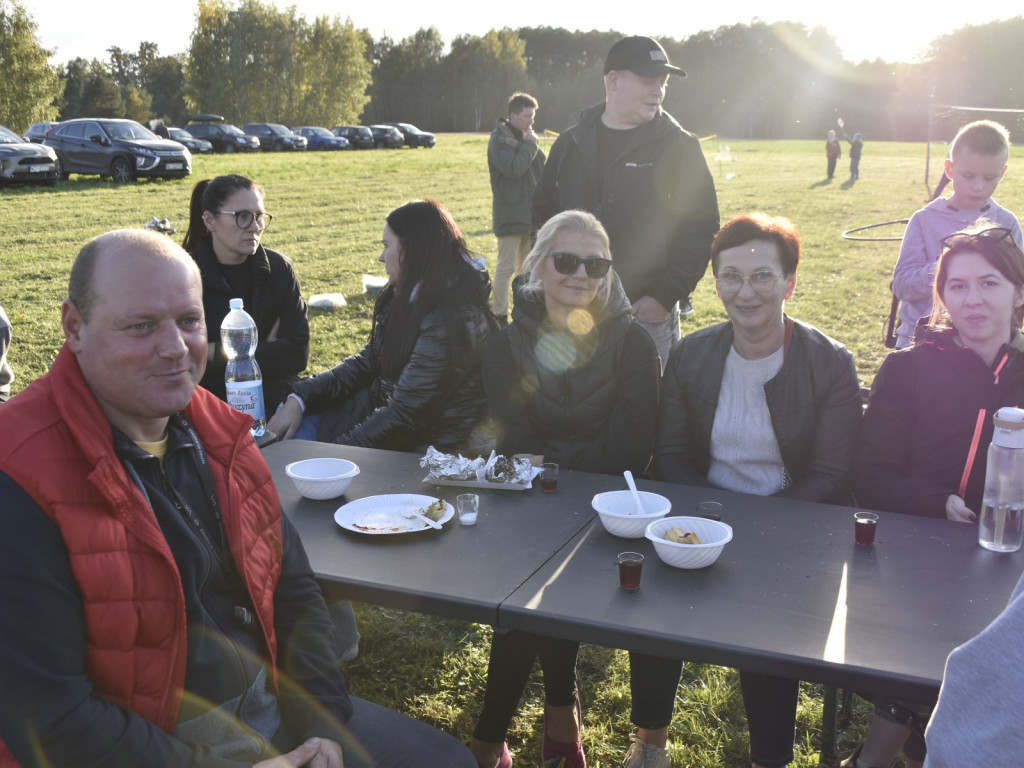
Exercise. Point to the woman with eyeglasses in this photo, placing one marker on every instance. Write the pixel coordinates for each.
(761, 404)
(226, 224)
(929, 422)
(417, 380)
(572, 380)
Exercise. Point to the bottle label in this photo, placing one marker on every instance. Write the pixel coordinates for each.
(247, 397)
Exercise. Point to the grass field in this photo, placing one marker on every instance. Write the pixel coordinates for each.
(329, 210)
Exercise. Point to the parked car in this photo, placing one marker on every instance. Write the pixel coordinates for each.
(387, 137)
(413, 136)
(120, 149)
(359, 136)
(37, 131)
(223, 136)
(24, 161)
(321, 138)
(274, 137)
(194, 145)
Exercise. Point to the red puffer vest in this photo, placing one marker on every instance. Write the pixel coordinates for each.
(57, 447)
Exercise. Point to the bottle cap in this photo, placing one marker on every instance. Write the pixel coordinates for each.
(1009, 428)
(235, 303)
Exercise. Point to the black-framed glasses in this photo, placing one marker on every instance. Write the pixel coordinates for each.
(990, 235)
(244, 219)
(762, 281)
(567, 263)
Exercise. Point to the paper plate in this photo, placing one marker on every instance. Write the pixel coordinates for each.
(382, 515)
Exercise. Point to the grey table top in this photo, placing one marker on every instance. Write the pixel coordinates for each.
(461, 571)
(791, 594)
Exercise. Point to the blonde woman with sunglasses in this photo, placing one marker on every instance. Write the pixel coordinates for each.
(572, 380)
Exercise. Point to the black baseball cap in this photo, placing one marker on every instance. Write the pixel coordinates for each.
(643, 56)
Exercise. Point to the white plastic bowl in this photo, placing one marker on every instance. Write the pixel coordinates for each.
(619, 516)
(321, 478)
(714, 535)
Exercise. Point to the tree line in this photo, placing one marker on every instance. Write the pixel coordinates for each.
(250, 61)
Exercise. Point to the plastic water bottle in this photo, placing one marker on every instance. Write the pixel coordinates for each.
(1000, 527)
(242, 377)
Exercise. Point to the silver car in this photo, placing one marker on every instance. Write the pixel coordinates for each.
(24, 161)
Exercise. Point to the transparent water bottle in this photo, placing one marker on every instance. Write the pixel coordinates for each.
(242, 377)
(1000, 526)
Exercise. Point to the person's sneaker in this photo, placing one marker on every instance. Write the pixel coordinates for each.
(643, 755)
(686, 307)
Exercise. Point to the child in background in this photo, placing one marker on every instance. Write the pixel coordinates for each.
(976, 163)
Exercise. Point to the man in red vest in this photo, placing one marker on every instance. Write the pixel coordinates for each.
(157, 608)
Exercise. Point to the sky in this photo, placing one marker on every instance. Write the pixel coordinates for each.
(868, 29)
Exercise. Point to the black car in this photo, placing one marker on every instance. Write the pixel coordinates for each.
(359, 136)
(120, 149)
(274, 137)
(223, 136)
(186, 139)
(413, 136)
(22, 160)
(387, 137)
(37, 131)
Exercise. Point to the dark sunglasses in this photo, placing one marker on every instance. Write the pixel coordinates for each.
(568, 263)
(991, 235)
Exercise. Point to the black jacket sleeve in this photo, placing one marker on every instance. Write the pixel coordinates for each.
(882, 480)
(676, 449)
(351, 374)
(313, 697)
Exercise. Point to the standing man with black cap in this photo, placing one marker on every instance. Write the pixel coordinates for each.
(633, 166)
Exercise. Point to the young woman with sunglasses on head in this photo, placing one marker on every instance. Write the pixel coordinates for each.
(929, 422)
(572, 380)
(417, 380)
(226, 224)
(761, 404)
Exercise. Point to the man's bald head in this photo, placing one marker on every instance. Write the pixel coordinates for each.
(138, 244)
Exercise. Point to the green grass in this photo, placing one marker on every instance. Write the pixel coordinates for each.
(329, 210)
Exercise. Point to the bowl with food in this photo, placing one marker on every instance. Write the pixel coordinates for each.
(620, 516)
(688, 542)
(321, 478)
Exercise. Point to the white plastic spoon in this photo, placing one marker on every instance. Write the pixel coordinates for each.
(636, 494)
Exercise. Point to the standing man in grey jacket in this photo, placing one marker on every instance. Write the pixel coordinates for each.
(515, 161)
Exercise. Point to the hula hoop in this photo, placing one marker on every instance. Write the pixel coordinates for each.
(847, 235)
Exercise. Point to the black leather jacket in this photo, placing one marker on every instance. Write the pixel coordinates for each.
(814, 403)
(437, 400)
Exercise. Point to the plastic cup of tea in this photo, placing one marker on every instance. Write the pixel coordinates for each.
(468, 505)
(712, 510)
(864, 525)
(630, 567)
(548, 477)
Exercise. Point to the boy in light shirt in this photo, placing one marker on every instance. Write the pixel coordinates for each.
(976, 164)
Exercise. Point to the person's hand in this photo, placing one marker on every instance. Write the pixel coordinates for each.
(529, 135)
(329, 756)
(650, 310)
(957, 511)
(286, 421)
(300, 756)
